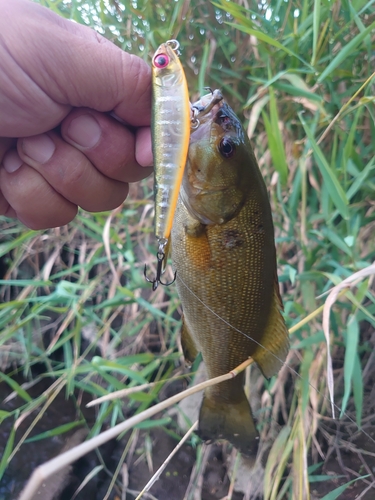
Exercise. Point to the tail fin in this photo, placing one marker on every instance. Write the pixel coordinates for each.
(233, 422)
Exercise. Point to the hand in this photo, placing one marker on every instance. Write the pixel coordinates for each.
(60, 147)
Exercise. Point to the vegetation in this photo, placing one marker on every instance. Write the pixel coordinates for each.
(77, 312)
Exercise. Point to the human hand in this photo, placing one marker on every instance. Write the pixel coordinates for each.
(59, 146)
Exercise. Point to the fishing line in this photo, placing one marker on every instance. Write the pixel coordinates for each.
(276, 357)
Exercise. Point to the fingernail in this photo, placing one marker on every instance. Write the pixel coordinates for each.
(84, 131)
(39, 148)
(12, 161)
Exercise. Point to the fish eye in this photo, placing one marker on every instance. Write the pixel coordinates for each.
(161, 61)
(227, 147)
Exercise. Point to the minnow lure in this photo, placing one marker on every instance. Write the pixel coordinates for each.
(171, 119)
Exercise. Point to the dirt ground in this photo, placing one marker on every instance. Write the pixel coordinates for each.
(214, 483)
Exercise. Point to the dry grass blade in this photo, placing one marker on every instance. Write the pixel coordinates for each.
(157, 474)
(87, 479)
(52, 466)
(107, 246)
(125, 480)
(58, 385)
(300, 467)
(331, 299)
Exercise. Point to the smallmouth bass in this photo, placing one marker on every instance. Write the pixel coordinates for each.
(223, 249)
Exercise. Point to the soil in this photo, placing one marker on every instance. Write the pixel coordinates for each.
(174, 482)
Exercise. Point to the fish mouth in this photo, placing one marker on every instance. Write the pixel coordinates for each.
(209, 190)
(212, 109)
(205, 104)
(205, 111)
(205, 123)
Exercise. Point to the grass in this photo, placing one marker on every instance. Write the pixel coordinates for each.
(75, 308)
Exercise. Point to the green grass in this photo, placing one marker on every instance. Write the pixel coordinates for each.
(300, 76)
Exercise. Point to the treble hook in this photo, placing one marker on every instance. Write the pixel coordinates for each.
(159, 271)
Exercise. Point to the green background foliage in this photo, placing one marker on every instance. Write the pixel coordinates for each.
(300, 75)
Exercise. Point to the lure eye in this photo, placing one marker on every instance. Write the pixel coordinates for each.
(227, 148)
(161, 61)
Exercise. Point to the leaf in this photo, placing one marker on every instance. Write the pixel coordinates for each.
(20, 283)
(141, 358)
(332, 184)
(7, 451)
(346, 51)
(267, 39)
(17, 242)
(4, 415)
(57, 431)
(308, 357)
(322, 478)
(281, 448)
(332, 495)
(360, 179)
(351, 346)
(316, 30)
(149, 424)
(332, 296)
(315, 339)
(299, 92)
(16, 387)
(275, 144)
(203, 67)
(358, 389)
(336, 240)
(256, 110)
(279, 157)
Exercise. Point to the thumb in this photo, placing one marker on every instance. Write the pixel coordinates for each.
(63, 64)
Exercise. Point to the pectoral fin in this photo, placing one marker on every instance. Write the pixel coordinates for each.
(275, 338)
(187, 343)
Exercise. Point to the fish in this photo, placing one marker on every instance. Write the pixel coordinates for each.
(171, 120)
(223, 248)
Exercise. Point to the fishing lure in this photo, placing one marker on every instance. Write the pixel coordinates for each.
(171, 119)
